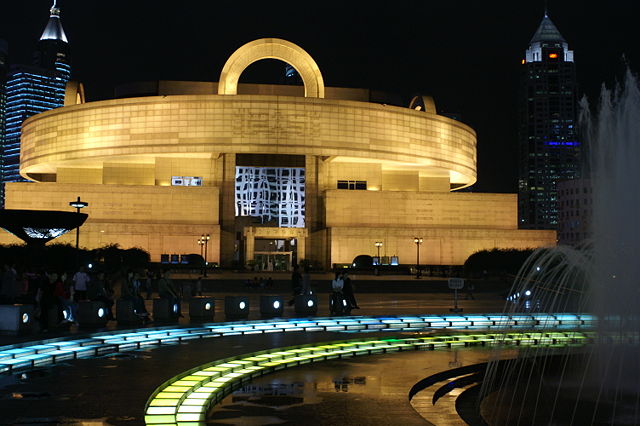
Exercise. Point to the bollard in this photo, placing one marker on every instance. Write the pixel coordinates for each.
(165, 310)
(202, 308)
(236, 307)
(306, 304)
(92, 314)
(125, 313)
(271, 306)
(16, 319)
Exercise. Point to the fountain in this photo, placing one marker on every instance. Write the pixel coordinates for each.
(599, 384)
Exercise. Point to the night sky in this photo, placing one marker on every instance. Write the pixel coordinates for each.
(464, 53)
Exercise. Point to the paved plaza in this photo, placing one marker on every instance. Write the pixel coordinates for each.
(113, 388)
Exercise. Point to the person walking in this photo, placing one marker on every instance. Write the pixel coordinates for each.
(306, 281)
(349, 292)
(149, 284)
(469, 287)
(130, 290)
(46, 300)
(337, 285)
(167, 290)
(98, 292)
(9, 285)
(198, 291)
(296, 284)
(62, 290)
(80, 282)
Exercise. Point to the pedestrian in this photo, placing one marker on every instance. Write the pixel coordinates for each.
(62, 290)
(45, 299)
(306, 281)
(337, 285)
(149, 284)
(99, 293)
(9, 285)
(199, 286)
(469, 287)
(80, 281)
(167, 290)
(130, 291)
(349, 292)
(296, 284)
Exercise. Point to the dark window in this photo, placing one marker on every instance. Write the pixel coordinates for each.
(352, 184)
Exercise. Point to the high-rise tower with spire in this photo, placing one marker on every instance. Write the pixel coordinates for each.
(32, 89)
(549, 150)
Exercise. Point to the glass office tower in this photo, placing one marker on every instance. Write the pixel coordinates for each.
(30, 90)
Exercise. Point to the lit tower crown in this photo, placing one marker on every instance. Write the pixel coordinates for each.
(54, 30)
(53, 47)
(547, 37)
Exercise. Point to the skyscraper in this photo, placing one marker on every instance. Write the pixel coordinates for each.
(549, 149)
(30, 90)
(4, 53)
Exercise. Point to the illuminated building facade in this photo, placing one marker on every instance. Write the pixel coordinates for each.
(274, 174)
(575, 202)
(549, 150)
(4, 54)
(34, 89)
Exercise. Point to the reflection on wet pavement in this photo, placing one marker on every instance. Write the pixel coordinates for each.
(368, 391)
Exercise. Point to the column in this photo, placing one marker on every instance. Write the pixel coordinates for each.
(250, 243)
(225, 175)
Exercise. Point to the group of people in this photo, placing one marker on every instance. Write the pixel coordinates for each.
(259, 283)
(343, 296)
(56, 294)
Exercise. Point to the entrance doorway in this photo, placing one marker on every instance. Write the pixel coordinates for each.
(275, 254)
(274, 249)
(277, 261)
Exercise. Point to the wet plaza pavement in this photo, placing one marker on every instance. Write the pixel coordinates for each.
(113, 388)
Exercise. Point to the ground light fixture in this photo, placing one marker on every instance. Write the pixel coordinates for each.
(186, 398)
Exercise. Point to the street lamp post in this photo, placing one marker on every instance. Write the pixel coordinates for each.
(205, 240)
(378, 244)
(78, 204)
(201, 244)
(418, 241)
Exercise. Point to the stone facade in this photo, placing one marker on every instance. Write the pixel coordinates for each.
(125, 156)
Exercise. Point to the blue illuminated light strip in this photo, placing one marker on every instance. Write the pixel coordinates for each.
(32, 354)
(185, 399)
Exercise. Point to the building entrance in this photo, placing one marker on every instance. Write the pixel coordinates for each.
(273, 261)
(275, 249)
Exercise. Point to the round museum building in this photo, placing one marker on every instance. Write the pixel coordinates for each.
(273, 174)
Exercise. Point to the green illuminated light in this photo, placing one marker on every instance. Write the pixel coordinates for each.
(191, 395)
